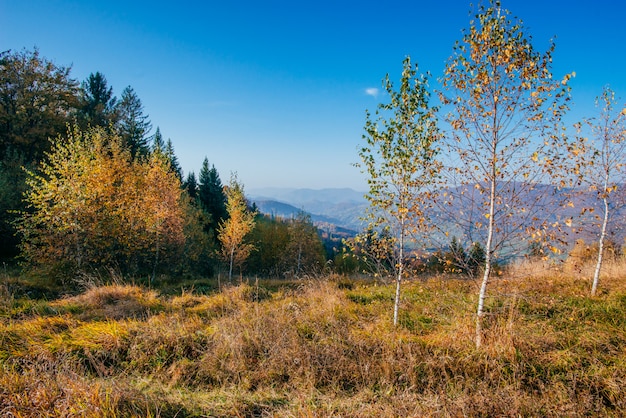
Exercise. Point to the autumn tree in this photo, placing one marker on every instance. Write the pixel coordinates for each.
(232, 232)
(399, 157)
(270, 237)
(506, 136)
(605, 173)
(37, 99)
(304, 252)
(90, 204)
(161, 195)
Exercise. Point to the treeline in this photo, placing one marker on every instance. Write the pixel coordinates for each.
(87, 185)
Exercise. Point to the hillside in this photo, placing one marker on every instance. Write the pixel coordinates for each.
(330, 207)
(343, 208)
(319, 348)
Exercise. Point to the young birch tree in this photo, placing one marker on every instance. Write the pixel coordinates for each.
(399, 157)
(232, 231)
(506, 134)
(606, 174)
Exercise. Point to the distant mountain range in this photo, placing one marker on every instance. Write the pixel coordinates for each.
(329, 208)
(338, 211)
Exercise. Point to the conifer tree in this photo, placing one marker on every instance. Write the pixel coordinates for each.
(98, 105)
(158, 144)
(211, 194)
(133, 124)
(172, 159)
(191, 186)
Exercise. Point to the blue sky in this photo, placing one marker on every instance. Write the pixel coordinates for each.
(277, 90)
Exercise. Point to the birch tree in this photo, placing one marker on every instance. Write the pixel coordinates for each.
(506, 136)
(606, 174)
(233, 231)
(90, 204)
(399, 157)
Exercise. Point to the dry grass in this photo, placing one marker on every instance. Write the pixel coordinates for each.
(326, 348)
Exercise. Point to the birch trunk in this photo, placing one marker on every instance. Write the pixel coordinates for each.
(396, 304)
(605, 221)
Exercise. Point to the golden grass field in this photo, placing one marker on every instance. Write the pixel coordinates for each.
(320, 348)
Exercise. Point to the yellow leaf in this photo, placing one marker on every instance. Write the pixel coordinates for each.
(535, 157)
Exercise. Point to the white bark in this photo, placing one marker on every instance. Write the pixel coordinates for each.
(488, 262)
(396, 304)
(605, 221)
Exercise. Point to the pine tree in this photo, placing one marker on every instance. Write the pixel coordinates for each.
(191, 186)
(133, 125)
(173, 160)
(211, 194)
(99, 106)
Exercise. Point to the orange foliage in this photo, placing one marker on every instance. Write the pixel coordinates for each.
(92, 205)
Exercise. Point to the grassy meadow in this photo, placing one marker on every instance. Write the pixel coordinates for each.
(317, 348)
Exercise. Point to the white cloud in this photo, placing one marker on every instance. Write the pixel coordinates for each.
(371, 91)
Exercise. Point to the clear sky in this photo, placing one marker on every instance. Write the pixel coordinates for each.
(277, 90)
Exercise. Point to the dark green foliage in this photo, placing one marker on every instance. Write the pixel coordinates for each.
(37, 100)
(475, 258)
(12, 185)
(211, 194)
(270, 237)
(133, 125)
(157, 141)
(456, 259)
(98, 105)
(191, 186)
(173, 160)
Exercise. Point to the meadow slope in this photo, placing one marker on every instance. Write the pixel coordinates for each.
(318, 348)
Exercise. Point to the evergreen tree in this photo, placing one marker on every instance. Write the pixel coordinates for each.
(99, 106)
(133, 125)
(475, 258)
(157, 141)
(173, 160)
(455, 258)
(211, 194)
(191, 186)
